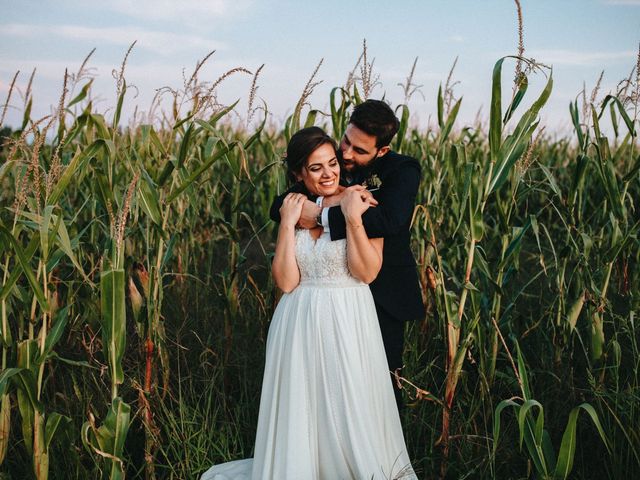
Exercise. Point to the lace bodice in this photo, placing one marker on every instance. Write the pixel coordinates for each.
(322, 262)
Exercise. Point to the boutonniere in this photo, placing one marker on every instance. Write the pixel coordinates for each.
(373, 182)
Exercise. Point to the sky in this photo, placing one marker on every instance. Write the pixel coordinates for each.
(578, 38)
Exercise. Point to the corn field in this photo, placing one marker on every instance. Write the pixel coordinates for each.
(136, 293)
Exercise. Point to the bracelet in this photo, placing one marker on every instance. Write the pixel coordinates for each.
(319, 201)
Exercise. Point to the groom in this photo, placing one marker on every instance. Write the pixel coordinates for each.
(367, 159)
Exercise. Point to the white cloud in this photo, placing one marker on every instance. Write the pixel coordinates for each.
(189, 12)
(576, 58)
(635, 3)
(456, 38)
(158, 42)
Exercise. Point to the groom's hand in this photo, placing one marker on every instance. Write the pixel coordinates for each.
(334, 200)
(308, 216)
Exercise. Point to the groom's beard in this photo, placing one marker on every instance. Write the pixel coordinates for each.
(349, 177)
(358, 173)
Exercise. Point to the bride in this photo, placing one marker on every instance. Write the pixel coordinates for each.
(327, 409)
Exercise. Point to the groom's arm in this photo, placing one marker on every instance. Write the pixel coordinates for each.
(274, 211)
(396, 203)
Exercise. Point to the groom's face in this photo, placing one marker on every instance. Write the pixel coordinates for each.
(358, 148)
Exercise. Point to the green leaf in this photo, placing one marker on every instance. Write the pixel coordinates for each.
(205, 165)
(468, 173)
(100, 125)
(74, 363)
(54, 420)
(532, 435)
(44, 231)
(568, 445)
(64, 242)
(26, 419)
(108, 439)
(623, 113)
(495, 114)
(82, 95)
(74, 166)
(608, 177)
(185, 145)
(169, 252)
(58, 233)
(402, 129)
(575, 118)
(16, 272)
(214, 118)
(149, 198)
(27, 113)
(449, 123)
(256, 134)
(476, 221)
(112, 295)
(514, 244)
(515, 145)
(23, 262)
(522, 89)
(5, 377)
(496, 420)
(54, 334)
(338, 113)
(311, 118)
(551, 180)
(470, 286)
(25, 381)
(522, 371)
(440, 105)
(582, 162)
(522, 418)
(614, 119)
(574, 311)
(118, 111)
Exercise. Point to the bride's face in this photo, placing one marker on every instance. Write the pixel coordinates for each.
(321, 174)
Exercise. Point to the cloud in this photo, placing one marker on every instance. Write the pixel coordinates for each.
(189, 12)
(156, 41)
(456, 38)
(576, 58)
(633, 3)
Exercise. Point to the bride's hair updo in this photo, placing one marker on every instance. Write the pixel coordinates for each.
(302, 144)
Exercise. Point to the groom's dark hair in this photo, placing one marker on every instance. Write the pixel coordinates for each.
(375, 117)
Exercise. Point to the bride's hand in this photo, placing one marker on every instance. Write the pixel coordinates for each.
(355, 201)
(334, 200)
(291, 209)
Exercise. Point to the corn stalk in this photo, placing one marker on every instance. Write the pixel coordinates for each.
(504, 153)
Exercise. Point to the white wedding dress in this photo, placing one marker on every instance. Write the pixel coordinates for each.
(327, 409)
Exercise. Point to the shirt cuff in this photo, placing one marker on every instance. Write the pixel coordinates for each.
(325, 219)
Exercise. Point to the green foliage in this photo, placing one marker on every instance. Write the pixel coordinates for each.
(523, 242)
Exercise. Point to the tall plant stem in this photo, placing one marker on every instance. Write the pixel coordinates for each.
(495, 315)
(453, 364)
(605, 286)
(43, 328)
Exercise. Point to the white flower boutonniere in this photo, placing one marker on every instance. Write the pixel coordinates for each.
(373, 182)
